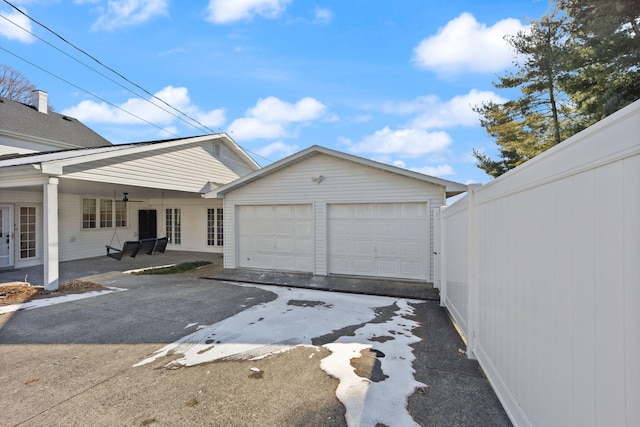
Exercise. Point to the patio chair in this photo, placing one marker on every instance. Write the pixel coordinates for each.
(130, 248)
(147, 245)
(161, 246)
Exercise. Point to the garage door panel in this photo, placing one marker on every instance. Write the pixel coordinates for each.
(363, 211)
(411, 249)
(388, 239)
(363, 248)
(302, 228)
(276, 237)
(387, 268)
(389, 249)
(410, 268)
(387, 229)
(361, 228)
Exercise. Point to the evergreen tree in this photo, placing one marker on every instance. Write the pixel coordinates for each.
(525, 127)
(604, 44)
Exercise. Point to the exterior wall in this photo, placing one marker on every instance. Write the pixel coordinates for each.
(344, 182)
(553, 279)
(76, 243)
(186, 169)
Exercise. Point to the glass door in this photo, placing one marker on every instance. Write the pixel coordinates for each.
(6, 236)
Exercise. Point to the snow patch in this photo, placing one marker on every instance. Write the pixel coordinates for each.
(45, 302)
(295, 318)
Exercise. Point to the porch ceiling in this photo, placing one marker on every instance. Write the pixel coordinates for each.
(107, 190)
(101, 189)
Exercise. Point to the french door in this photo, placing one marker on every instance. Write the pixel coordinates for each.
(6, 236)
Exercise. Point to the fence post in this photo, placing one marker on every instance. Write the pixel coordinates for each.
(472, 273)
(443, 257)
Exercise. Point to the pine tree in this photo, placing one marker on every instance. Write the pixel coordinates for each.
(529, 125)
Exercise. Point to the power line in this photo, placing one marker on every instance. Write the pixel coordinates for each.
(103, 65)
(100, 73)
(114, 72)
(86, 91)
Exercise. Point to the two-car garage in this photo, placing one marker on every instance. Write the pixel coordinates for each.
(325, 212)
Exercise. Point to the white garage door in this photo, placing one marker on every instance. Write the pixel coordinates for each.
(276, 237)
(379, 239)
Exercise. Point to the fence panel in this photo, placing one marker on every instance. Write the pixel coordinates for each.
(541, 269)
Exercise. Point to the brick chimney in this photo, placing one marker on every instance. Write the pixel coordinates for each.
(39, 100)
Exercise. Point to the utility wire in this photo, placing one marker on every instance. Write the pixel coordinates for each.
(113, 71)
(104, 65)
(86, 91)
(102, 74)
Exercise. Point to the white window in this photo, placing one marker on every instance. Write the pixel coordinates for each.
(100, 213)
(173, 225)
(28, 234)
(215, 227)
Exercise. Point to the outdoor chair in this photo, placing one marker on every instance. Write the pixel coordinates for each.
(161, 246)
(130, 248)
(147, 246)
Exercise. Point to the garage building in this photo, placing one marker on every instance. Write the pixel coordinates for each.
(326, 212)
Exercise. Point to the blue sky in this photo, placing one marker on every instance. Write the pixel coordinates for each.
(389, 80)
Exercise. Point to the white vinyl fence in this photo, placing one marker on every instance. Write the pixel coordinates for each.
(540, 268)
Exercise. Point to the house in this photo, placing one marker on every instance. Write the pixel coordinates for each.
(68, 203)
(33, 128)
(326, 212)
(66, 193)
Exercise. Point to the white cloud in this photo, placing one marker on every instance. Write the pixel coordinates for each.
(465, 45)
(16, 32)
(277, 149)
(441, 170)
(403, 142)
(458, 111)
(438, 171)
(128, 13)
(272, 118)
(248, 128)
(322, 15)
(226, 11)
(433, 113)
(153, 112)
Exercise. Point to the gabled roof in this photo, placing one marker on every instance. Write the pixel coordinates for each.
(21, 121)
(452, 188)
(53, 162)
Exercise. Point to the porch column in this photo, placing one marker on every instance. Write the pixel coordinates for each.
(50, 244)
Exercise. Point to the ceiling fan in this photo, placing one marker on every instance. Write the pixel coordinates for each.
(126, 199)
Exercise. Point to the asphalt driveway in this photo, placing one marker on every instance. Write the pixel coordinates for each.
(120, 359)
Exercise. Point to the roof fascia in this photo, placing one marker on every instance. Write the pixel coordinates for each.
(23, 137)
(240, 152)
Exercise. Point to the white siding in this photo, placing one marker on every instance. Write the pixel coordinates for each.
(10, 146)
(344, 182)
(78, 243)
(187, 168)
